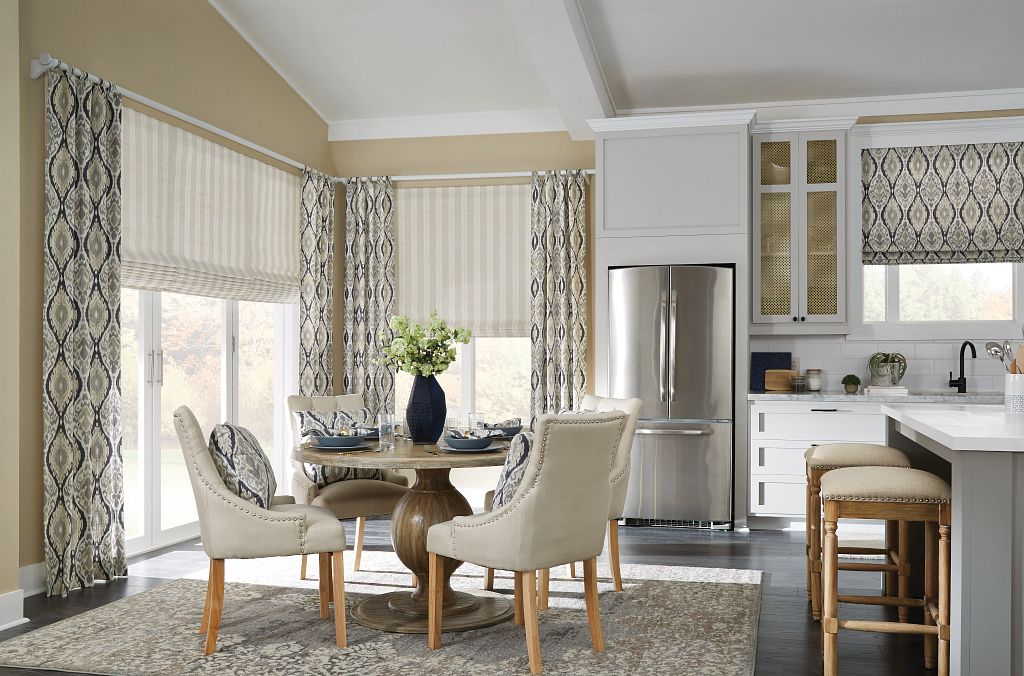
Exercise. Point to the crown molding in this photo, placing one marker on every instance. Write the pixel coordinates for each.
(710, 118)
(934, 132)
(809, 124)
(901, 104)
(454, 124)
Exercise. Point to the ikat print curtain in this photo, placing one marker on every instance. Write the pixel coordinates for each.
(369, 290)
(316, 285)
(943, 204)
(558, 290)
(83, 493)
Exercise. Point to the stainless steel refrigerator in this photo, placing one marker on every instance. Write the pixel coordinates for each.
(671, 343)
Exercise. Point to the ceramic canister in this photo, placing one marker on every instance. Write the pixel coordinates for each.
(1015, 393)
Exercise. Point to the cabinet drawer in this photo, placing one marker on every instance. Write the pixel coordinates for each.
(777, 494)
(818, 422)
(773, 456)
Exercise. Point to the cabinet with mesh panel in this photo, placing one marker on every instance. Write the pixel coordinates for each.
(798, 191)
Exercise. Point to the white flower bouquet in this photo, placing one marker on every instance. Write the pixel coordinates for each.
(422, 350)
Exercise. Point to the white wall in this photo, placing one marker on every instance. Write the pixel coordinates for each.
(928, 362)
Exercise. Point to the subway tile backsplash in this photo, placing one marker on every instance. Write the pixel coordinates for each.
(928, 362)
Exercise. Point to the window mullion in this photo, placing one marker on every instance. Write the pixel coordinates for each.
(892, 293)
(229, 363)
(468, 358)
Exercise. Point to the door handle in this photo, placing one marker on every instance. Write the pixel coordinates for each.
(662, 377)
(681, 433)
(672, 349)
(150, 367)
(824, 410)
(160, 368)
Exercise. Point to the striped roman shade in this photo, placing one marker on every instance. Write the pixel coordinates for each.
(465, 252)
(202, 219)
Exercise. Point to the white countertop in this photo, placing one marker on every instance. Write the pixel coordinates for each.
(964, 427)
(943, 397)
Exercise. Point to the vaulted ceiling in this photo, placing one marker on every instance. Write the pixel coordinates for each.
(380, 68)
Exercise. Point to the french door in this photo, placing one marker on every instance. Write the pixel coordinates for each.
(225, 360)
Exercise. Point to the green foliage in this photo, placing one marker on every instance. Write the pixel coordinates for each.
(851, 379)
(422, 350)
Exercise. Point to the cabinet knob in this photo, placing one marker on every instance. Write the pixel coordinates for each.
(794, 319)
(803, 319)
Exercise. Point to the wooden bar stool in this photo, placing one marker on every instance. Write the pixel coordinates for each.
(893, 494)
(825, 458)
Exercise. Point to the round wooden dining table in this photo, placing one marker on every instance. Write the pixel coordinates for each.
(431, 499)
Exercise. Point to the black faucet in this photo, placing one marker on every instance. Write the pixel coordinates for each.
(961, 383)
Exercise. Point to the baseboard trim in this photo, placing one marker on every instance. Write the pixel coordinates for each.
(12, 609)
(32, 578)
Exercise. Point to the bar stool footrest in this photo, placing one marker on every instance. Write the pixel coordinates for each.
(889, 627)
(882, 601)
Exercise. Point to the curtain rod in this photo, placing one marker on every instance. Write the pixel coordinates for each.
(46, 63)
(464, 177)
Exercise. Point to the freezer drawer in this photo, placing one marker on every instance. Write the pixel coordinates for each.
(681, 472)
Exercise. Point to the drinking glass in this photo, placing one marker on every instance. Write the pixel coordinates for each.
(386, 423)
(476, 422)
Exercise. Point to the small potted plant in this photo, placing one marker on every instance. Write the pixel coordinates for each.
(851, 383)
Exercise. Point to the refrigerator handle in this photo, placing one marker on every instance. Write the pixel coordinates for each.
(661, 346)
(680, 433)
(672, 349)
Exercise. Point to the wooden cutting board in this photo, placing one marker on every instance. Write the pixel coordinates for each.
(777, 380)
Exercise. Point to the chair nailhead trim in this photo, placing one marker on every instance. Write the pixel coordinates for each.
(848, 498)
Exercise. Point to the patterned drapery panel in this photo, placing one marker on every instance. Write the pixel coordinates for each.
(83, 492)
(369, 289)
(465, 252)
(316, 285)
(558, 292)
(943, 204)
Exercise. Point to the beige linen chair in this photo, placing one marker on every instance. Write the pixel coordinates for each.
(234, 528)
(619, 479)
(557, 514)
(354, 498)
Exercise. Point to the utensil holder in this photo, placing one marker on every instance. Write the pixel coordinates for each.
(1015, 393)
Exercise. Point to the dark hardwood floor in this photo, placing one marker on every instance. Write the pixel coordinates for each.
(788, 643)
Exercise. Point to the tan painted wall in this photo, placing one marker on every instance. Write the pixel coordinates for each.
(10, 230)
(180, 53)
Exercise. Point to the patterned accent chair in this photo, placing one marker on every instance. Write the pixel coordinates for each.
(351, 498)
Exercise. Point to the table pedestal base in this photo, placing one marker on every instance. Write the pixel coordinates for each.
(432, 499)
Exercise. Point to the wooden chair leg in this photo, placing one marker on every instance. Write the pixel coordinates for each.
(529, 586)
(613, 553)
(360, 532)
(518, 599)
(543, 586)
(302, 570)
(330, 578)
(830, 607)
(325, 594)
(435, 601)
(572, 569)
(807, 533)
(489, 579)
(931, 584)
(216, 587)
(415, 581)
(593, 608)
(891, 545)
(338, 585)
(205, 622)
(816, 552)
(904, 572)
(944, 563)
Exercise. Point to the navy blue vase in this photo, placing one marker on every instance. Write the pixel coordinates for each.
(426, 412)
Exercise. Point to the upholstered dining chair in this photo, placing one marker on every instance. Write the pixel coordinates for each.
(620, 479)
(352, 498)
(234, 528)
(555, 515)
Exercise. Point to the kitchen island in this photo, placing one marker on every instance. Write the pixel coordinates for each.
(985, 450)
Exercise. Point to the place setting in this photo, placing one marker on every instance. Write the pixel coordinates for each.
(478, 436)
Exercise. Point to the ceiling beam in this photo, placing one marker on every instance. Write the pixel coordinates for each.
(559, 42)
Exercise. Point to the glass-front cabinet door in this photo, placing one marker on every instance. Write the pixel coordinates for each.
(798, 227)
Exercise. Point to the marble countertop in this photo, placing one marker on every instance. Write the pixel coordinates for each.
(963, 428)
(941, 397)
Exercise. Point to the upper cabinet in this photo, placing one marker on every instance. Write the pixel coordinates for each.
(682, 174)
(799, 224)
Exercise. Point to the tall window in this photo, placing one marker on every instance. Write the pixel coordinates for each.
(225, 360)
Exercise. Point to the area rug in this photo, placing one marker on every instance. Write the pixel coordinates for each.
(669, 620)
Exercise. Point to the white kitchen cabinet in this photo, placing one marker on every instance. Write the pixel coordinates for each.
(799, 224)
(664, 175)
(780, 434)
